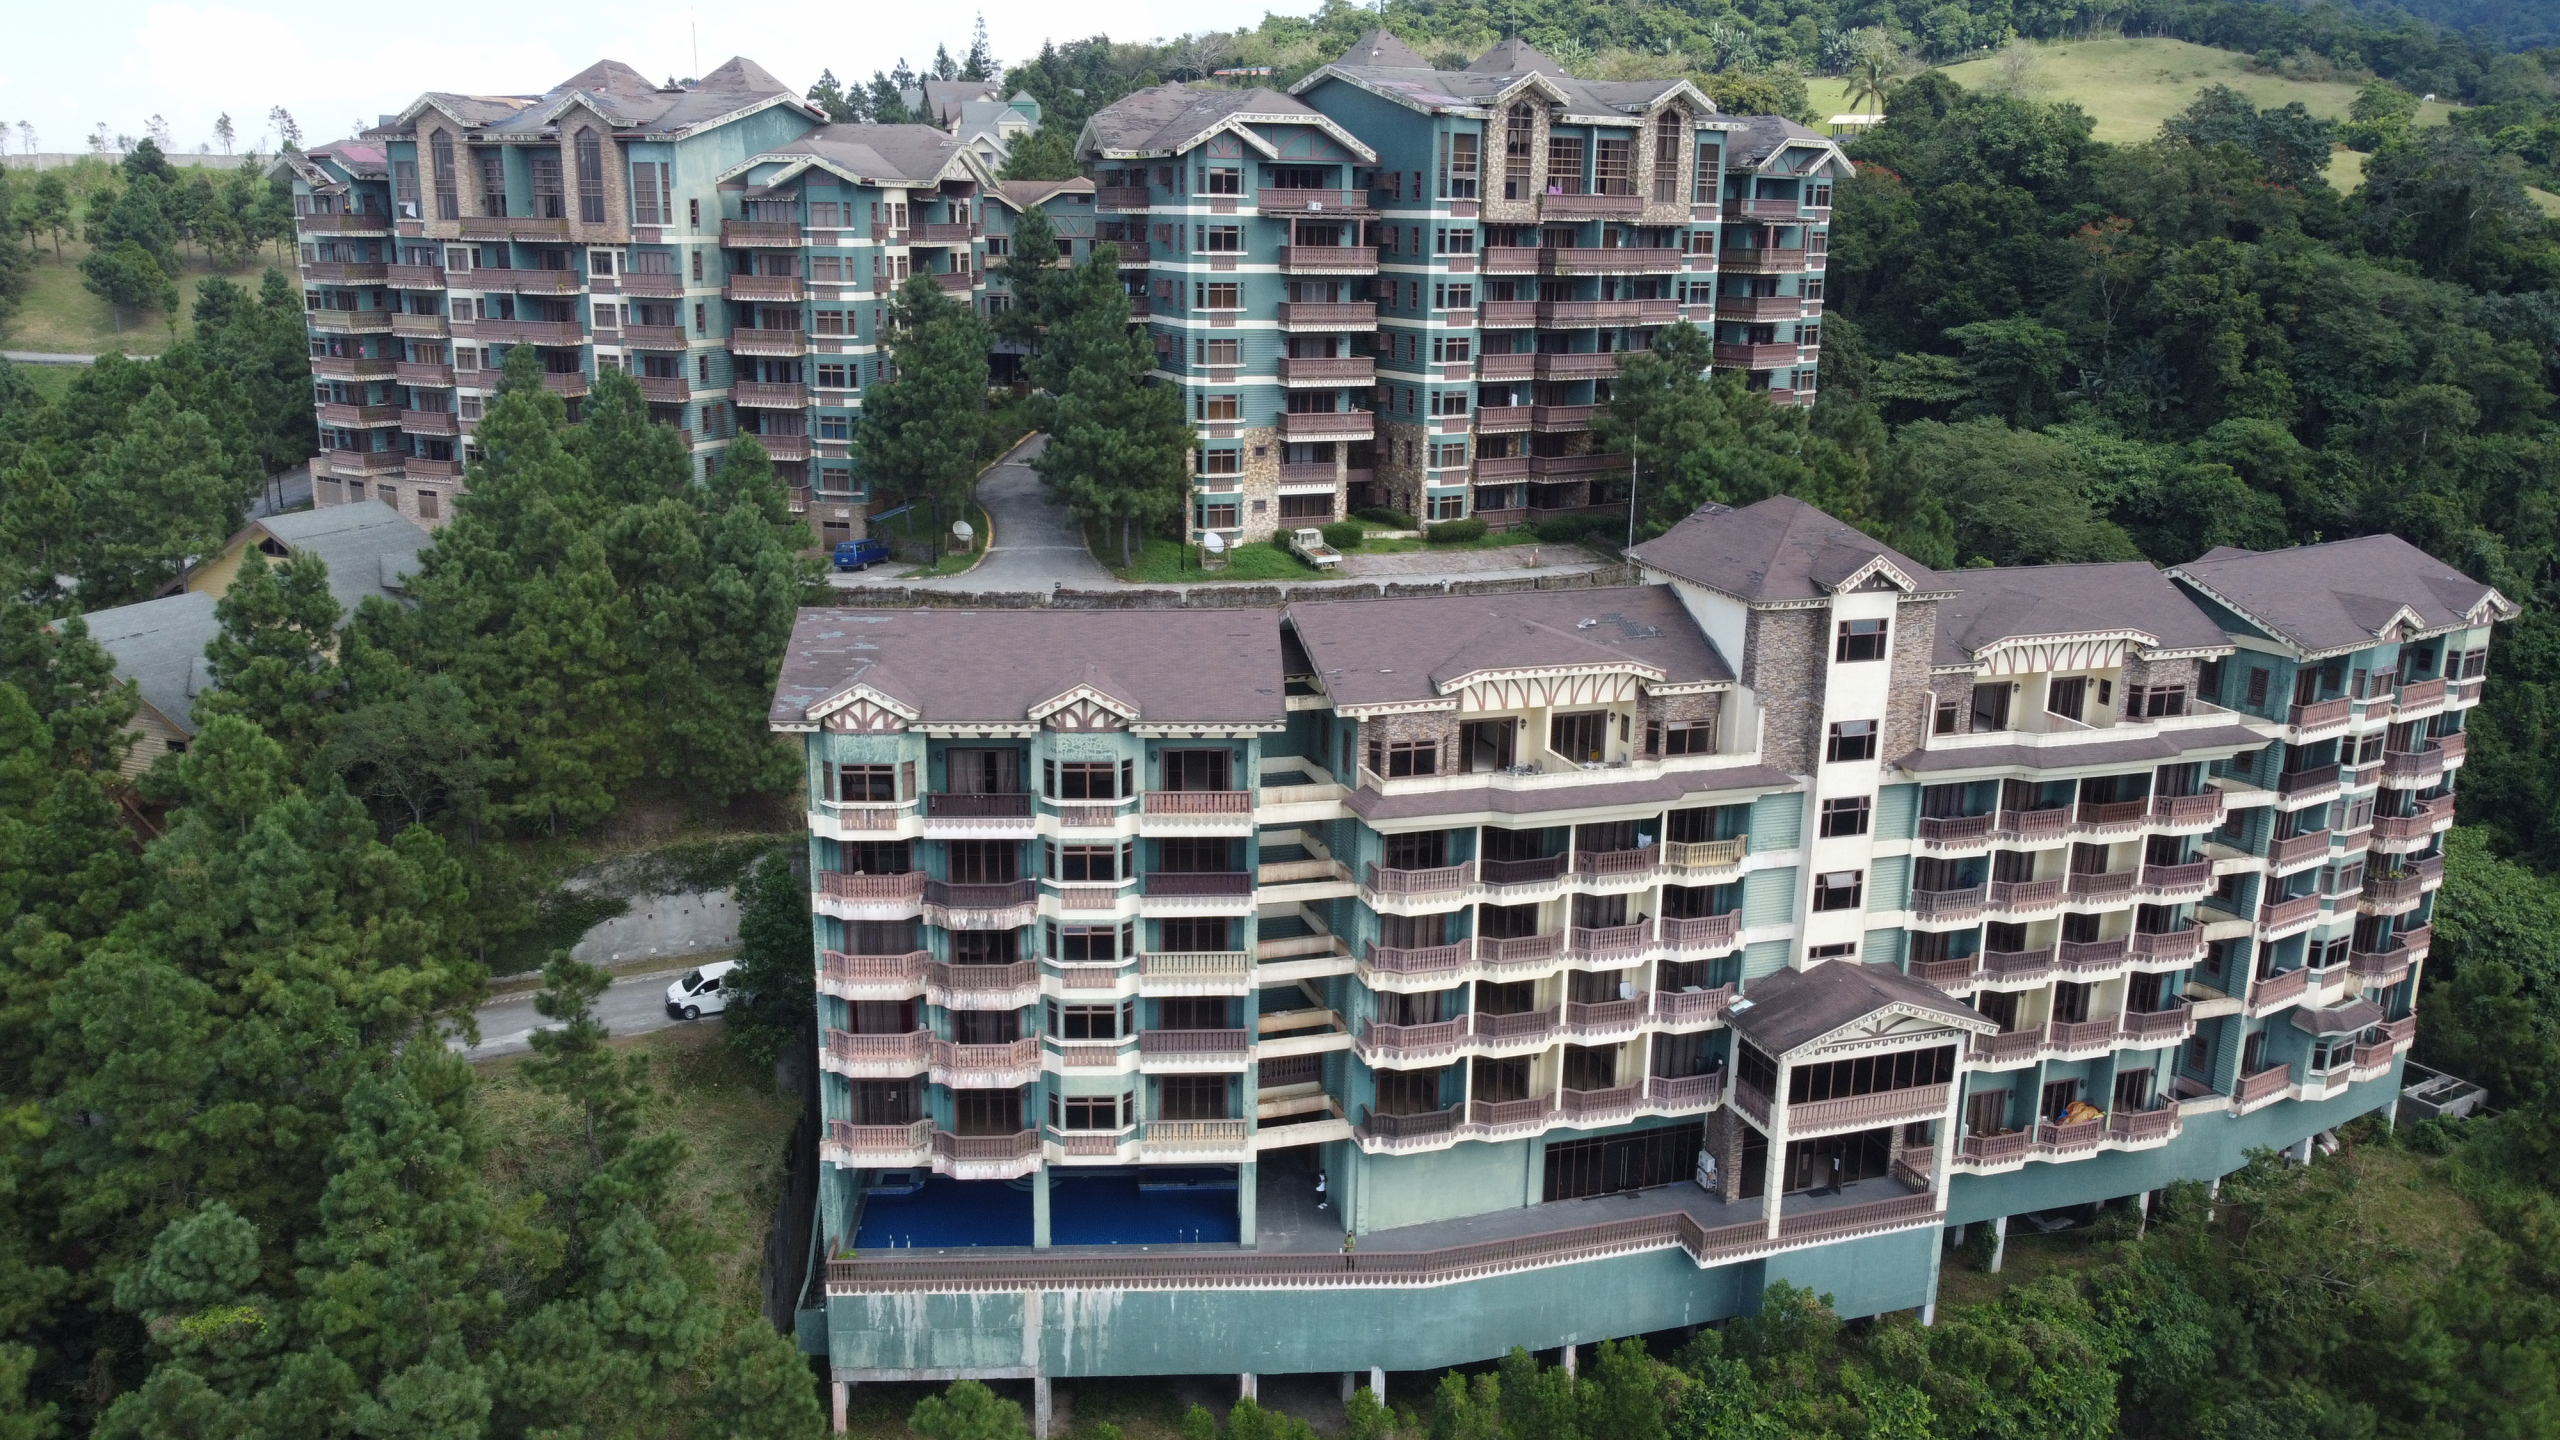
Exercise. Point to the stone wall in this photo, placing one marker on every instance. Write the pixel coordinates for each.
(2138, 671)
(1907, 706)
(1785, 660)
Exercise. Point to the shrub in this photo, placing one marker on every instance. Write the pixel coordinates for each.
(1455, 532)
(1344, 534)
(1380, 515)
(1575, 529)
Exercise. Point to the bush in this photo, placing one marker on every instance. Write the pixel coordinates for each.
(1379, 515)
(1575, 529)
(1344, 534)
(1455, 532)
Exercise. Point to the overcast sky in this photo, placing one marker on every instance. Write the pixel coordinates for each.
(66, 65)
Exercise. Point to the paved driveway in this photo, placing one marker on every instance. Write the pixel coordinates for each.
(1036, 546)
(631, 1005)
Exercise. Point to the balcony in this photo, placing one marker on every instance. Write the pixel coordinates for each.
(652, 287)
(983, 987)
(419, 327)
(419, 467)
(780, 446)
(2007, 1048)
(1438, 880)
(2079, 1038)
(1615, 260)
(1691, 857)
(1609, 945)
(1756, 357)
(938, 233)
(1415, 962)
(525, 332)
(986, 1067)
(2182, 811)
(2070, 1137)
(360, 417)
(2287, 914)
(865, 1057)
(2266, 1085)
(527, 282)
(346, 272)
(2304, 786)
(1692, 1007)
(2025, 896)
(858, 896)
(1194, 972)
(2013, 967)
(1328, 425)
(769, 288)
(1123, 199)
(2033, 827)
(760, 234)
(1683, 1092)
(768, 342)
(514, 227)
(1861, 1112)
(2108, 816)
(567, 383)
(761, 395)
(2297, 850)
(878, 1146)
(1982, 1152)
(1196, 812)
(1178, 1051)
(1328, 260)
(1748, 308)
(1955, 832)
(2106, 888)
(1579, 207)
(1570, 314)
(1570, 467)
(1508, 314)
(954, 282)
(353, 367)
(1217, 886)
(1788, 210)
(2429, 817)
(1962, 904)
(350, 322)
(874, 977)
(429, 422)
(1328, 370)
(2156, 1028)
(1519, 366)
(986, 1157)
(1956, 974)
(2382, 969)
(1578, 365)
(1002, 905)
(364, 462)
(2318, 716)
(2190, 880)
(2268, 992)
(653, 337)
(1561, 419)
(362, 223)
(1699, 934)
(2408, 768)
(1305, 315)
(2167, 947)
(1230, 1140)
(1592, 866)
(664, 389)
(2419, 695)
(1763, 260)
(2141, 1129)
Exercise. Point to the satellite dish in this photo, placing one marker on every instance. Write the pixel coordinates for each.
(1213, 542)
(961, 529)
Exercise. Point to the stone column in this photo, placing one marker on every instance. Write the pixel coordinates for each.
(1572, 1365)
(839, 1392)
(1378, 1382)
(2141, 1214)
(1040, 1206)
(1248, 1386)
(1246, 1200)
(1042, 1410)
(1999, 1241)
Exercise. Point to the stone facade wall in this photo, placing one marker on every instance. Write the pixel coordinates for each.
(1440, 727)
(1261, 502)
(1907, 706)
(1659, 709)
(2138, 671)
(1403, 458)
(1724, 1141)
(1784, 662)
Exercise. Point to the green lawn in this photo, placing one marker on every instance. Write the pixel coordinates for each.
(51, 381)
(908, 535)
(61, 317)
(1170, 562)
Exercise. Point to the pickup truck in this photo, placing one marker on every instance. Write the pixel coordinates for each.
(861, 554)
(1310, 547)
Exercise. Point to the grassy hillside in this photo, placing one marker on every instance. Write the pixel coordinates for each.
(60, 316)
(2129, 86)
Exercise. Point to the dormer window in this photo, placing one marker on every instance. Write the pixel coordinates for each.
(1860, 640)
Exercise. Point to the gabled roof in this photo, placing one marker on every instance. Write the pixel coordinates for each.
(1385, 652)
(1794, 1008)
(622, 96)
(1780, 549)
(1515, 56)
(1023, 194)
(159, 645)
(2344, 595)
(1169, 119)
(1763, 136)
(873, 155)
(996, 667)
(1509, 71)
(943, 98)
(364, 544)
(1380, 49)
(2128, 601)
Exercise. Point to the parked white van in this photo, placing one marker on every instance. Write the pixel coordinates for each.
(700, 992)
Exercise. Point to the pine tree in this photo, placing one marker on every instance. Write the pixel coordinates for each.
(981, 63)
(162, 493)
(920, 430)
(1118, 447)
(1033, 277)
(274, 664)
(773, 992)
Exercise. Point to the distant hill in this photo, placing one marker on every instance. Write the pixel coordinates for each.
(2505, 24)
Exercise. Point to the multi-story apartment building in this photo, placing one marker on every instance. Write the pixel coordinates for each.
(718, 241)
(1408, 286)
(1787, 913)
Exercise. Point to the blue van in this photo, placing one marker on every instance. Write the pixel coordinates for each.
(861, 554)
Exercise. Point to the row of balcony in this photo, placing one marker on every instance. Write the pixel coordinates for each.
(1483, 1033)
(2080, 960)
(2152, 884)
(2083, 1039)
(1559, 1109)
(1515, 957)
(2415, 700)
(1680, 861)
(2055, 824)
(2056, 1140)
(1572, 314)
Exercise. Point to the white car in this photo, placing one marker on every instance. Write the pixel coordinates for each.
(700, 992)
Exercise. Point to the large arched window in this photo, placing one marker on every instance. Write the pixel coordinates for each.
(1519, 139)
(1667, 150)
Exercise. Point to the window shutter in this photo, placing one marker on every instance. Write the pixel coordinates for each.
(906, 779)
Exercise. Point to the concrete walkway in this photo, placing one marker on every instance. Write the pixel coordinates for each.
(1036, 545)
(46, 357)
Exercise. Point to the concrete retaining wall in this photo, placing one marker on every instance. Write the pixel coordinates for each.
(663, 925)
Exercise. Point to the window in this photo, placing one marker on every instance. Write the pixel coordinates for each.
(1564, 165)
(1221, 462)
(1452, 349)
(1216, 352)
(1224, 180)
(1457, 240)
(1839, 889)
(1852, 740)
(493, 182)
(1846, 817)
(1404, 757)
(2066, 696)
(2147, 701)
(1224, 240)
(693, 215)
(1306, 507)
(1450, 456)
(1582, 737)
(2257, 687)
(1991, 707)
(1666, 158)
(834, 427)
(1220, 407)
(1860, 640)
(404, 187)
(1947, 714)
(448, 186)
(1709, 178)
(1445, 507)
(1840, 951)
(427, 505)
(590, 154)
(1458, 166)
(1453, 297)
(828, 322)
(1086, 1022)
(1680, 737)
(1448, 402)
(1613, 167)
(862, 784)
(1222, 295)
(1088, 864)
(831, 377)
(1222, 516)
(1519, 150)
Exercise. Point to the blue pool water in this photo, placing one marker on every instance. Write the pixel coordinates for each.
(1112, 1207)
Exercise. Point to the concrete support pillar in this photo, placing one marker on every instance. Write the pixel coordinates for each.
(1572, 1362)
(1246, 1197)
(1248, 1386)
(1350, 1382)
(2212, 1192)
(2141, 1214)
(839, 1392)
(2302, 1152)
(1042, 1411)
(1378, 1382)
(1955, 1236)
(1999, 1241)
(1040, 1208)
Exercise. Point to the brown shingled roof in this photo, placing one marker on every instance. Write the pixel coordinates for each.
(1375, 652)
(1793, 1008)
(1207, 667)
(2021, 601)
(2341, 595)
(1778, 549)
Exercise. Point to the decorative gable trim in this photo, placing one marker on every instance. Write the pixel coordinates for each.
(1082, 707)
(1888, 1027)
(1878, 568)
(861, 708)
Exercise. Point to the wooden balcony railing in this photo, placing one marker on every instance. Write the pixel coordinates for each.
(2009, 966)
(1418, 959)
(1603, 1017)
(1678, 1006)
(2069, 1136)
(759, 234)
(1702, 932)
(1438, 880)
(2283, 987)
(1520, 872)
(2136, 1126)
(939, 806)
(762, 395)
(2109, 814)
(1882, 1107)
(1328, 425)
(2175, 879)
(2319, 715)
(1947, 832)
(1610, 259)
(346, 272)
(1221, 1045)
(1328, 370)
(2157, 1027)
(775, 342)
(907, 888)
(2018, 896)
(1755, 357)
(1197, 802)
(2421, 695)
(2417, 825)
(2103, 886)
(1683, 1092)
(2008, 1045)
(1199, 884)
(1328, 315)
(1412, 1042)
(1517, 1026)
(1983, 1150)
(1947, 904)
(2413, 766)
(2089, 957)
(653, 337)
(2075, 1035)
(1328, 260)
(2266, 1084)
(2276, 914)
(2184, 944)
(1761, 260)
(2205, 809)
(2307, 782)
(1759, 307)
(2033, 825)
(1000, 895)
